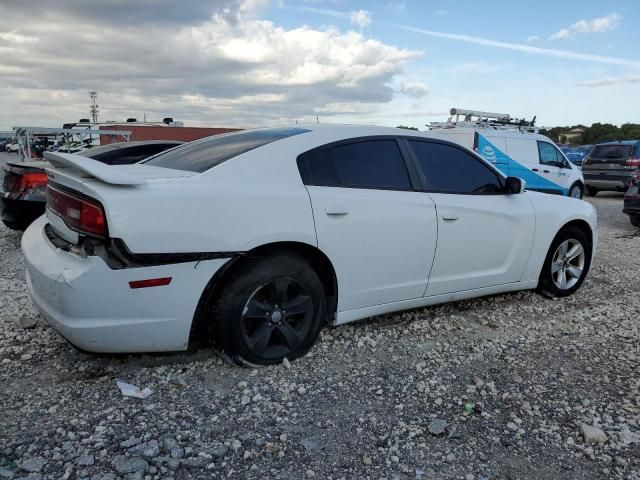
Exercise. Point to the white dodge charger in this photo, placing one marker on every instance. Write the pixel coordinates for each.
(252, 240)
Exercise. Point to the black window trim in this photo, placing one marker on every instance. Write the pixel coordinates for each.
(414, 177)
(425, 187)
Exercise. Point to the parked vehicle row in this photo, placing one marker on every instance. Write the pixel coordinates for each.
(254, 239)
(23, 192)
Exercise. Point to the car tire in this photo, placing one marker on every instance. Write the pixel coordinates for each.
(635, 220)
(591, 191)
(576, 191)
(563, 271)
(272, 308)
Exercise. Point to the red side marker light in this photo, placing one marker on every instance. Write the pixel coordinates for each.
(151, 282)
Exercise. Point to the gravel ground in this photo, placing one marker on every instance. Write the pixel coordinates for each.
(509, 386)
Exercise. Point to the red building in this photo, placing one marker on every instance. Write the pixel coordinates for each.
(161, 132)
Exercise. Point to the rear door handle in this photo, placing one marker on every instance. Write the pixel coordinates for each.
(336, 210)
(535, 170)
(545, 171)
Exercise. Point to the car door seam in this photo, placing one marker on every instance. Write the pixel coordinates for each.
(435, 250)
(313, 216)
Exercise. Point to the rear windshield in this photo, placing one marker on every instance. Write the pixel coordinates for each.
(204, 154)
(612, 151)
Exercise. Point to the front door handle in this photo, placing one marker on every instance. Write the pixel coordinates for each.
(545, 171)
(336, 210)
(449, 216)
(535, 170)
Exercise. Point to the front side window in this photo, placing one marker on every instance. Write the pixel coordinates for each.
(376, 164)
(549, 155)
(447, 169)
(204, 154)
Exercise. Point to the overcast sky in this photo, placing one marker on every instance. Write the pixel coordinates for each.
(260, 62)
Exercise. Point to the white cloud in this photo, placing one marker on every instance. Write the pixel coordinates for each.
(226, 69)
(361, 18)
(533, 38)
(440, 12)
(607, 81)
(398, 7)
(414, 89)
(16, 38)
(549, 52)
(347, 108)
(596, 25)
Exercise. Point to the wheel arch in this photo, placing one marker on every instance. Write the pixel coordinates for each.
(580, 224)
(200, 328)
(580, 184)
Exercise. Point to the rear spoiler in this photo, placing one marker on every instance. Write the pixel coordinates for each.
(101, 171)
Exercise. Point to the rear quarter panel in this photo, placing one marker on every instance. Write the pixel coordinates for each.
(552, 212)
(240, 204)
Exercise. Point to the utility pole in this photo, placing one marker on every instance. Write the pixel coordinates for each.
(93, 108)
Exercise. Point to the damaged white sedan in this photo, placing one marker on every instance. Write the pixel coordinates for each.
(253, 240)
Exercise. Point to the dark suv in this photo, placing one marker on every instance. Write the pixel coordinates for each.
(611, 166)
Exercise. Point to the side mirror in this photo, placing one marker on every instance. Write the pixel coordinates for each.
(514, 185)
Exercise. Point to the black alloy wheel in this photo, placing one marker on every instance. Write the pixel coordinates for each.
(277, 318)
(272, 308)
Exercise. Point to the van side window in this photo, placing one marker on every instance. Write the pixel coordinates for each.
(548, 154)
(447, 169)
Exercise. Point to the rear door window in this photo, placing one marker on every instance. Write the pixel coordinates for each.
(448, 169)
(204, 154)
(372, 164)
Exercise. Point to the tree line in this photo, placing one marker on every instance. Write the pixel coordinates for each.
(596, 133)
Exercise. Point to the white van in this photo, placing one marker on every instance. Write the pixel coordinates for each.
(516, 150)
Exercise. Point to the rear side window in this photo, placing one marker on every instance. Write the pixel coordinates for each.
(611, 151)
(447, 169)
(204, 154)
(374, 164)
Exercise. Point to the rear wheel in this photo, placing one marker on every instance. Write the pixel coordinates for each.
(635, 220)
(591, 191)
(567, 262)
(575, 191)
(273, 308)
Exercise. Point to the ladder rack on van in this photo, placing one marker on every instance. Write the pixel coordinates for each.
(479, 119)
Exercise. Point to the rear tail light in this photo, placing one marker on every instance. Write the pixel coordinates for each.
(633, 162)
(17, 180)
(82, 214)
(30, 181)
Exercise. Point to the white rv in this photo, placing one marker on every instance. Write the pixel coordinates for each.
(515, 148)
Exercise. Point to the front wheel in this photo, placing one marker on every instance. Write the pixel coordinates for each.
(567, 262)
(575, 191)
(272, 309)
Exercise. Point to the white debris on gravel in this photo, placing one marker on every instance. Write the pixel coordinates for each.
(519, 381)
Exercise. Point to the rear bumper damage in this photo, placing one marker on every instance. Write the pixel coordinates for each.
(94, 307)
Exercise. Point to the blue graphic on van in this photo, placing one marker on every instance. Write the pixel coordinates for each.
(510, 167)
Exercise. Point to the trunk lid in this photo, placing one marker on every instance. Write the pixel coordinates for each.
(102, 184)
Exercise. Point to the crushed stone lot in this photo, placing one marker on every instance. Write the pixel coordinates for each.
(510, 386)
